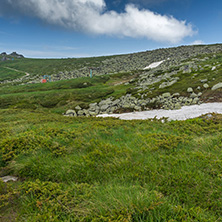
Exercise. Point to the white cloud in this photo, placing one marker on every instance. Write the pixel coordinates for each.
(91, 16)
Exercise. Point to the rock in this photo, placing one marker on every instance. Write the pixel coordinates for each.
(205, 85)
(176, 94)
(81, 113)
(92, 113)
(189, 90)
(104, 107)
(177, 106)
(166, 84)
(78, 108)
(199, 94)
(193, 95)
(213, 68)
(137, 108)
(217, 86)
(9, 178)
(71, 112)
(188, 101)
(203, 80)
(195, 100)
(115, 102)
(166, 95)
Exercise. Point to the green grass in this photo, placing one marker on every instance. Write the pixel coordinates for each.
(8, 74)
(52, 66)
(62, 95)
(93, 169)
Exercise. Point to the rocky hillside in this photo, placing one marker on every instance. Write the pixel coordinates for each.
(75, 68)
(191, 75)
(162, 78)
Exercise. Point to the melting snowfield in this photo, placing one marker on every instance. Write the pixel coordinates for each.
(186, 112)
(154, 65)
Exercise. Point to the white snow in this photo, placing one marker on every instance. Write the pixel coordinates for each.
(153, 65)
(186, 112)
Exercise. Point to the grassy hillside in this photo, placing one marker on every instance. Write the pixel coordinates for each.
(67, 94)
(62, 95)
(92, 169)
(50, 66)
(7, 73)
(79, 67)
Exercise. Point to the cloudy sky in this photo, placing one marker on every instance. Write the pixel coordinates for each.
(82, 28)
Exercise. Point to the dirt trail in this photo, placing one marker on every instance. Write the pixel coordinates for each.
(26, 73)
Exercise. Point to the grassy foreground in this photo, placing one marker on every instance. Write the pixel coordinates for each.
(93, 169)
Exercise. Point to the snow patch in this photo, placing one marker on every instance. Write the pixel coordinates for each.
(153, 65)
(186, 112)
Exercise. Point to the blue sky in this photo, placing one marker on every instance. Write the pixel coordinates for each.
(82, 28)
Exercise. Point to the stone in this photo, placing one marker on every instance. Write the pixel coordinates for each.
(203, 80)
(193, 95)
(166, 95)
(81, 113)
(199, 94)
(177, 106)
(166, 84)
(9, 178)
(176, 94)
(78, 108)
(137, 108)
(115, 102)
(92, 113)
(104, 107)
(213, 68)
(205, 85)
(126, 105)
(217, 86)
(71, 112)
(189, 90)
(195, 101)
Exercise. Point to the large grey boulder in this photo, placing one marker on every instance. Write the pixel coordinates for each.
(104, 107)
(217, 86)
(166, 95)
(193, 95)
(70, 112)
(206, 86)
(78, 108)
(189, 90)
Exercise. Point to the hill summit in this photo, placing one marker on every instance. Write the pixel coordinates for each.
(6, 56)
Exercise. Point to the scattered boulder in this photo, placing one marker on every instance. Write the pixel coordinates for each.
(189, 90)
(206, 86)
(78, 108)
(166, 95)
(9, 178)
(217, 86)
(70, 112)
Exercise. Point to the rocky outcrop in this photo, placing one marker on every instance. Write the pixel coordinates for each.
(12, 55)
(131, 103)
